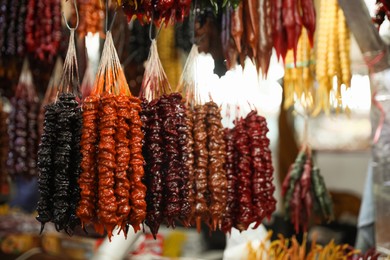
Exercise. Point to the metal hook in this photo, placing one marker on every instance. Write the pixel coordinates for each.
(109, 27)
(77, 17)
(151, 28)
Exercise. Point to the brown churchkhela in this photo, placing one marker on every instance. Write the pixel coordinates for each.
(249, 174)
(153, 168)
(187, 158)
(231, 202)
(217, 183)
(201, 162)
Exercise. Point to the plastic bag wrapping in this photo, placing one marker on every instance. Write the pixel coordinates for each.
(380, 120)
(188, 83)
(155, 82)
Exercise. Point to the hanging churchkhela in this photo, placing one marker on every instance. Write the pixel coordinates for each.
(159, 12)
(252, 28)
(112, 191)
(209, 176)
(50, 94)
(304, 190)
(92, 13)
(4, 144)
(59, 152)
(22, 128)
(249, 173)
(43, 28)
(167, 149)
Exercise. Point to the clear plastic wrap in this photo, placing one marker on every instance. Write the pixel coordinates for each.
(380, 119)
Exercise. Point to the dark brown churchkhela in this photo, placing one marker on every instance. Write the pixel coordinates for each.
(169, 168)
(23, 128)
(231, 202)
(249, 174)
(217, 183)
(171, 177)
(17, 131)
(46, 166)
(186, 143)
(262, 186)
(201, 163)
(58, 163)
(153, 153)
(244, 215)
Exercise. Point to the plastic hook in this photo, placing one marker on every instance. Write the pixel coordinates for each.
(77, 17)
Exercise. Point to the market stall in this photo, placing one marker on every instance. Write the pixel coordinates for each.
(193, 129)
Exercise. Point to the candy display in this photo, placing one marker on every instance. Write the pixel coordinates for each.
(112, 159)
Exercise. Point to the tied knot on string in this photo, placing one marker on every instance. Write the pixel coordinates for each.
(110, 76)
